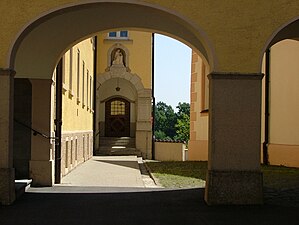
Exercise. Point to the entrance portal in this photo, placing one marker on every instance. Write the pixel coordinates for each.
(117, 118)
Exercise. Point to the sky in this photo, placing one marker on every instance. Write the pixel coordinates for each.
(172, 71)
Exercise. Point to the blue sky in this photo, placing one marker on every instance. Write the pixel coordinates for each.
(172, 71)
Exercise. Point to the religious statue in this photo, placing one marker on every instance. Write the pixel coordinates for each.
(118, 58)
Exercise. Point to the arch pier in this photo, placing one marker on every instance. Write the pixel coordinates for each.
(234, 175)
(7, 173)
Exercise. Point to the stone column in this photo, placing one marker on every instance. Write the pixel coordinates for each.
(42, 162)
(143, 123)
(234, 175)
(7, 173)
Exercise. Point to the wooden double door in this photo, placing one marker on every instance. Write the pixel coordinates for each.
(117, 118)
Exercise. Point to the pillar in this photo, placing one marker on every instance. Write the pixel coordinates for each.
(143, 123)
(42, 158)
(234, 175)
(7, 173)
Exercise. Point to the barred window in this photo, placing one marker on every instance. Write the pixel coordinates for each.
(118, 108)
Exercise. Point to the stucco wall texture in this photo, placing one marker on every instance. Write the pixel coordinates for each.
(234, 43)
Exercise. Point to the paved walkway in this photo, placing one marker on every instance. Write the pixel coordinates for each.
(106, 171)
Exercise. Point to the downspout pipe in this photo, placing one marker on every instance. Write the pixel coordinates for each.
(153, 97)
(58, 122)
(95, 59)
(267, 111)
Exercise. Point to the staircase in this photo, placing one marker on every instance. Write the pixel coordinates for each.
(117, 146)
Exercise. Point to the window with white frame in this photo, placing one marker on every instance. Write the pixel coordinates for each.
(87, 89)
(71, 71)
(205, 88)
(83, 83)
(63, 70)
(123, 34)
(78, 76)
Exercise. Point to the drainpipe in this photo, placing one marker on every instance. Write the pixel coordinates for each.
(58, 122)
(95, 58)
(267, 114)
(153, 97)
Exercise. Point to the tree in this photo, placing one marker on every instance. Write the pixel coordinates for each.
(165, 119)
(160, 135)
(183, 128)
(183, 122)
(170, 125)
(183, 108)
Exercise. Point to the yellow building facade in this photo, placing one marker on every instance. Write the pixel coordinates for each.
(77, 105)
(37, 143)
(231, 36)
(280, 135)
(123, 96)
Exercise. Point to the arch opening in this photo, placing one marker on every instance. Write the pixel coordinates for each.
(39, 48)
(42, 40)
(279, 126)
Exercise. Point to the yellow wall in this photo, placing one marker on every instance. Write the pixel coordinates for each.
(198, 144)
(229, 36)
(284, 107)
(140, 56)
(284, 104)
(167, 151)
(76, 115)
(287, 155)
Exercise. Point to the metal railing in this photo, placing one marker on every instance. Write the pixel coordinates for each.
(35, 132)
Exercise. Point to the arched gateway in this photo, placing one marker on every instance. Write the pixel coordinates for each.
(37, 39)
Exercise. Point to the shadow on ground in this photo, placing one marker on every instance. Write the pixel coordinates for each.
(182, 207)
(123, 163)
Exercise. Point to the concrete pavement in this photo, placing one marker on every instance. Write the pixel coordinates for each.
(106, 171)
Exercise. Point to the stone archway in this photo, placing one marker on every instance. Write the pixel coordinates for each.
(41, 40)
(140, 98)
(42, 33)
(278, 62)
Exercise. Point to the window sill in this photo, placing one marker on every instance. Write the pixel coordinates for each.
(64, 88)
(204, 112)
(71, 94)
(108, 40)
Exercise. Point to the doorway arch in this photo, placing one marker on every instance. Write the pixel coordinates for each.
(42, 39)
(280, 126)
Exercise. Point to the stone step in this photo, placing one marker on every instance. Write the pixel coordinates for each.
(21, 186)
(117, 152)
(122, 141)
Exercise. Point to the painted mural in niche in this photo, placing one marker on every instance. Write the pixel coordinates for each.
(118, 57)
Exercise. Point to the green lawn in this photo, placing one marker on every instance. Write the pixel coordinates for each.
(193, 174)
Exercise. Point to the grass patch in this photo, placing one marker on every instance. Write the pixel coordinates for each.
(281, 177)
(179, 174)
(191, 174)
